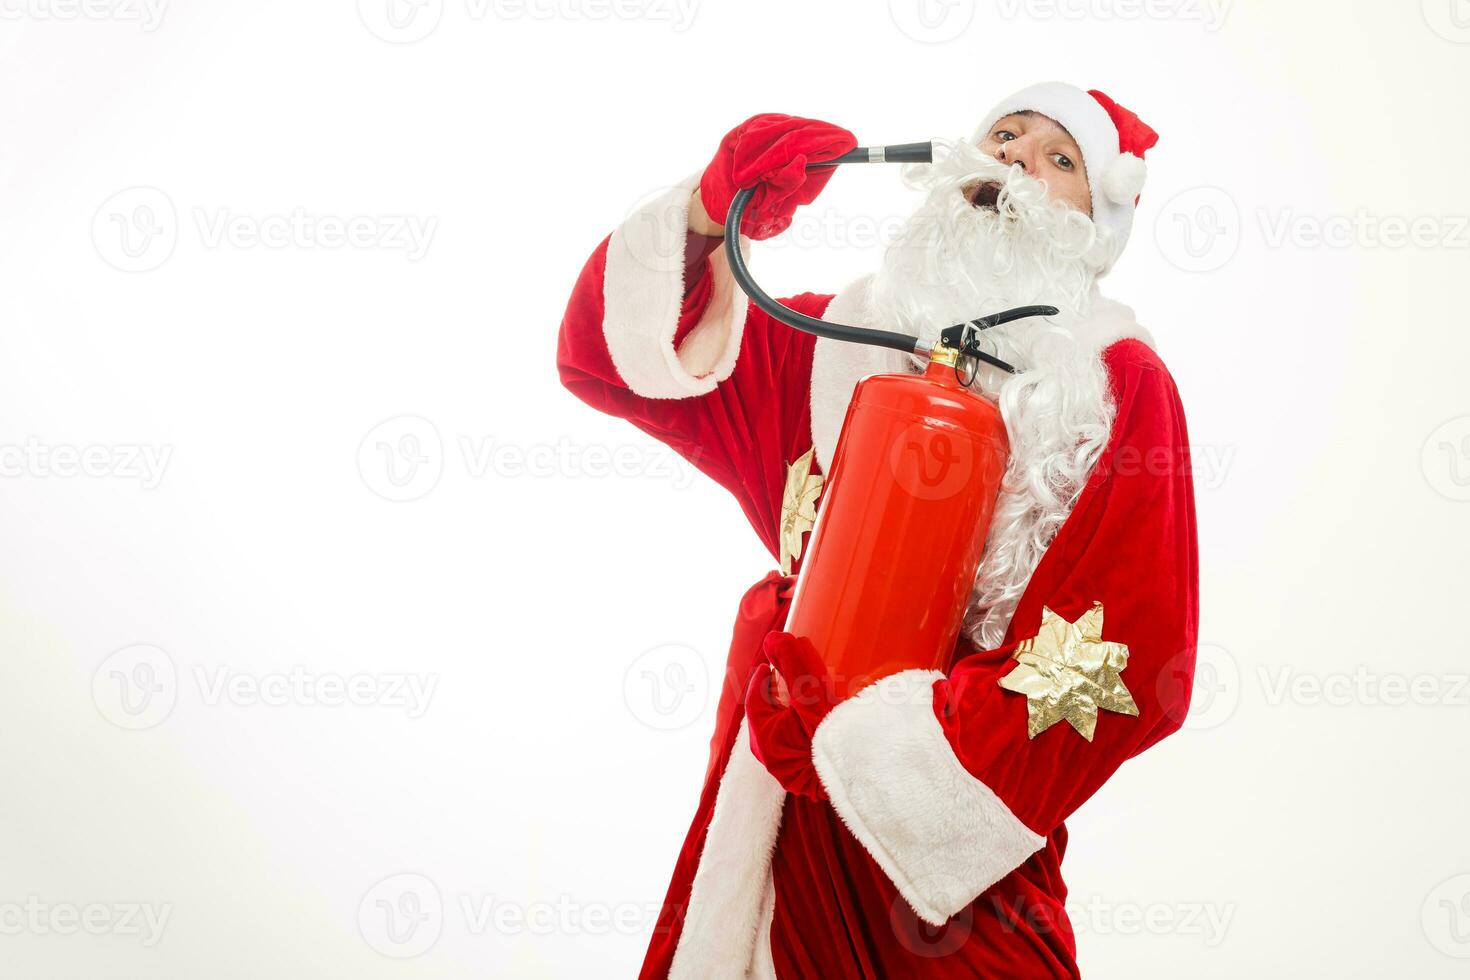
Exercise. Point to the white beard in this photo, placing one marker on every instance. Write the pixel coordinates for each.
(954, 262)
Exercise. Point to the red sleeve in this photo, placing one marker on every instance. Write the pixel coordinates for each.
(675, 348)
(962, 785)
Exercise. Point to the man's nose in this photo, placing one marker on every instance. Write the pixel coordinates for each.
(1019, 150)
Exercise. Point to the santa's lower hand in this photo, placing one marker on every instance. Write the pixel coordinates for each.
(781, 725)
(771, 150)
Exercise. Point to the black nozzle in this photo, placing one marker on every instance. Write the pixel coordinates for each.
(893, 153)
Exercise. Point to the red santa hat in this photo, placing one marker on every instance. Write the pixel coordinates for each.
(1113, 141)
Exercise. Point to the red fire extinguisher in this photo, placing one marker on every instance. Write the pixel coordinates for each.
(888, 569)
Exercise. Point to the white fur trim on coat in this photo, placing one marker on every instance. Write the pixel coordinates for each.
(939, 833)
(837, 366)
(643, 294)
(727, 907)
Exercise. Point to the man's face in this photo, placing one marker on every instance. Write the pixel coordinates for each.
(1045, 151)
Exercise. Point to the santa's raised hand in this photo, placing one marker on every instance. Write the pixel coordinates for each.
(771, 150)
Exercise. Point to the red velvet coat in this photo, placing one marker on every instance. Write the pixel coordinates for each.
(939, 852)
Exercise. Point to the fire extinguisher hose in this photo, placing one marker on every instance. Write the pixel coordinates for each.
(894, 153)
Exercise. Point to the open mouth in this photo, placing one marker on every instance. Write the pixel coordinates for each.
(984, 194)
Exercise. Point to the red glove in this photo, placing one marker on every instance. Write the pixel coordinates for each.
(771, 150)
(781, 727)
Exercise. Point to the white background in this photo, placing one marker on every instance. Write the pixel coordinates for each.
(1311, 819)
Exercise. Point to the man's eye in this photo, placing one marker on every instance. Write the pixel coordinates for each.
(1005, 135)
(1063, 161)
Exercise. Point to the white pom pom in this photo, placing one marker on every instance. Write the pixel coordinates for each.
(1122, 180)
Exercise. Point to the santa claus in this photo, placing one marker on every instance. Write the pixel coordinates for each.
(915, 829)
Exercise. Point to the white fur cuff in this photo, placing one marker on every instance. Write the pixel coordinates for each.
(643, 293)
(939, 833)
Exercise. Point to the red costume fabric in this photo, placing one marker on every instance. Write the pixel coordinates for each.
(938, 851)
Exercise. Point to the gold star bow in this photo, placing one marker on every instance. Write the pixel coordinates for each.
(798, 507)
(1068, 671)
